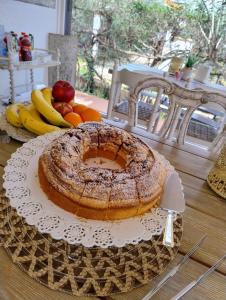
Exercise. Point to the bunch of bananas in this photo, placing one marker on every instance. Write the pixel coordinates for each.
(34, 117)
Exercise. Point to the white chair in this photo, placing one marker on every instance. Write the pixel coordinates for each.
(186, 114)
(181, 108)
(162, 86)
(147, 104)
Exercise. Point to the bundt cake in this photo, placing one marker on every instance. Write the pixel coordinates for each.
(100, 192)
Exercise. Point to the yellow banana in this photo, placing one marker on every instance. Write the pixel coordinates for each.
(33, 125)
(33, 111)
(47, 93)
(12, 114)
(47, 110)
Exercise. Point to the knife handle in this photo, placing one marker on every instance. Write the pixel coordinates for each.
(168, 238)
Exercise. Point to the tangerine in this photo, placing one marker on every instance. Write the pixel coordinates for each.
(79, 108)
(73, 118)
(90, 114)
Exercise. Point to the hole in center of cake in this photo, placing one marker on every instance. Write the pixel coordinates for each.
(102, 163)
(103, 160)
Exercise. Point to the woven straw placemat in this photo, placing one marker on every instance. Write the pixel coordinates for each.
(76, 269)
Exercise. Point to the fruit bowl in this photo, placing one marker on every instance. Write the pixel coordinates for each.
(19, 134)
(46, 113)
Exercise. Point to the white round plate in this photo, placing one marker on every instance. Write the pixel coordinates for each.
(25, 194)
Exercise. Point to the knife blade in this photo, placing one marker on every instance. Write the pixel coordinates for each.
(172, 201)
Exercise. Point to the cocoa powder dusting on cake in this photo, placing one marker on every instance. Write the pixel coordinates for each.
(147, 187)
(139, 180)
(124, 193)
(96, 175)
(99, 191)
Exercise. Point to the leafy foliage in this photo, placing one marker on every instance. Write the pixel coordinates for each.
(191, 61)
(146, 32)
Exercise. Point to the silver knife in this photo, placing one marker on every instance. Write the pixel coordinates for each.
(172, 201)
(171, 273)
(197, 281)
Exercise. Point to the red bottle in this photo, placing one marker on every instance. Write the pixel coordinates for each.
(25, 48)
(19, 44)
(20, 38)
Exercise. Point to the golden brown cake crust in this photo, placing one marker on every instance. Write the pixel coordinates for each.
(88, 212)
(101, 193)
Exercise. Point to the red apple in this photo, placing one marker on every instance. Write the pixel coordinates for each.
(63, 91)
(63, 108)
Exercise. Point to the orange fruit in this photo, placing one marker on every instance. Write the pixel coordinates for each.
(90, 114)
(79, 108)
(73, 118)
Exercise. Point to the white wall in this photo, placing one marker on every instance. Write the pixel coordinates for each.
(38, 20)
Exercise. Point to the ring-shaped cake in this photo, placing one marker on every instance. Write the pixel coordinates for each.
(96, 192)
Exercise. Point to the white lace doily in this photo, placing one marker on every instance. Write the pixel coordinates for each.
(23, 190)
(18, 134)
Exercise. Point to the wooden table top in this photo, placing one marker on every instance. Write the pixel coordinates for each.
(205, 214)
